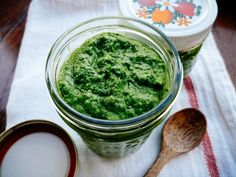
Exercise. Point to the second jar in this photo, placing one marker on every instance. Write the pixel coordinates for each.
(186, 22)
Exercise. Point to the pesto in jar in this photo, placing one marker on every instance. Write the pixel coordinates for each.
(113, 77)
(188, 58)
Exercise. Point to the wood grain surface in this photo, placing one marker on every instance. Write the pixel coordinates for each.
(13, 15)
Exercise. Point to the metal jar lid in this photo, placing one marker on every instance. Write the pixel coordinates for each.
(186, 22)
(37, 148)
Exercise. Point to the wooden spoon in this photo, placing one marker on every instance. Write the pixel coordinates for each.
(182, 132)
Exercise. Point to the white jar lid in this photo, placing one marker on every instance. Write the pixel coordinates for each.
(186, 22)
(37, 148)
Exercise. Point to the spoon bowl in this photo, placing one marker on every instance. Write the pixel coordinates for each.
(183, 132)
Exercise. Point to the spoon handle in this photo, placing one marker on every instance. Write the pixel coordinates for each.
(165, 155)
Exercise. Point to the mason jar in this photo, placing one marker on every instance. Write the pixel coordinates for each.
(186, 22)
(114, 138)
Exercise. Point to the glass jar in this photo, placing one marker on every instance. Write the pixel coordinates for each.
(118, 137)
(186, 23)
(189, 58)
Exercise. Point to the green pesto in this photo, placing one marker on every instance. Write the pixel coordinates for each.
(111, 76)
(188, 58)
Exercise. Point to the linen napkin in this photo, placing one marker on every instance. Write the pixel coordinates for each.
(208, 88)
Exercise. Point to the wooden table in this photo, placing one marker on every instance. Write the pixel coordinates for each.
(13, 15)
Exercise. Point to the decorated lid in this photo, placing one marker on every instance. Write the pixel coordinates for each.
(186, 22)
(37, 148)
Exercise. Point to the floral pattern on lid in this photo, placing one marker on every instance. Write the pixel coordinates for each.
(180, 13)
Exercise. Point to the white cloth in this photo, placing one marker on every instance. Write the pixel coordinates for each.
(29, 99)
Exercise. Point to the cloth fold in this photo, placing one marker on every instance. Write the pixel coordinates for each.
(208, 88)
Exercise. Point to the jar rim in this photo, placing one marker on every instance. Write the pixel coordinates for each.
(171, 96)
